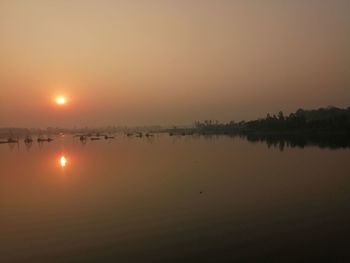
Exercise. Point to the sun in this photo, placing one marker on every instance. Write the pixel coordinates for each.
(61, 100)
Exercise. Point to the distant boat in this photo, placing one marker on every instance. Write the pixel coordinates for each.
(41, 139)
(95, 138)
(10, 140)
(28, 139)
(108, 137)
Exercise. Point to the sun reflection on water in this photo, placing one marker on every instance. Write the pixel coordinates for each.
(63, 161)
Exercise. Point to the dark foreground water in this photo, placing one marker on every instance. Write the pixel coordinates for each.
(170, 199)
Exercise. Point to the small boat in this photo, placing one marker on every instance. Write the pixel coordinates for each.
(95, 138)
(108, 137)
(10, 140)
(28, 139)
(139, 134)
(40, 139)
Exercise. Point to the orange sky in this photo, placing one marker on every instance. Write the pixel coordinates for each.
(169, 62)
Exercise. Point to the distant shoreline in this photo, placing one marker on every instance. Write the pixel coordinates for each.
(323, 121)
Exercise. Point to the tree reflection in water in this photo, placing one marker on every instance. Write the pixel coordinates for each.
(330, 141)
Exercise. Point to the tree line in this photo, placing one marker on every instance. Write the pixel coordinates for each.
(330, 119)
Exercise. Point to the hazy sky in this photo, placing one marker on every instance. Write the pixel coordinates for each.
(169, 62)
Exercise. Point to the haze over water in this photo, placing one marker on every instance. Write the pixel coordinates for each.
(174, 131)
(172, 199)
(169, 62)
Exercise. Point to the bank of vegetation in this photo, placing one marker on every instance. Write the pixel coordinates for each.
(323, 120)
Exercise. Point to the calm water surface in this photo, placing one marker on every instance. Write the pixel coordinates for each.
(169, 199)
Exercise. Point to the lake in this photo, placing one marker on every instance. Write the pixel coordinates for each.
(173, 199)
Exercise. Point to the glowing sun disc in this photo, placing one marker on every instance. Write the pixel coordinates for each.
(60, 100)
